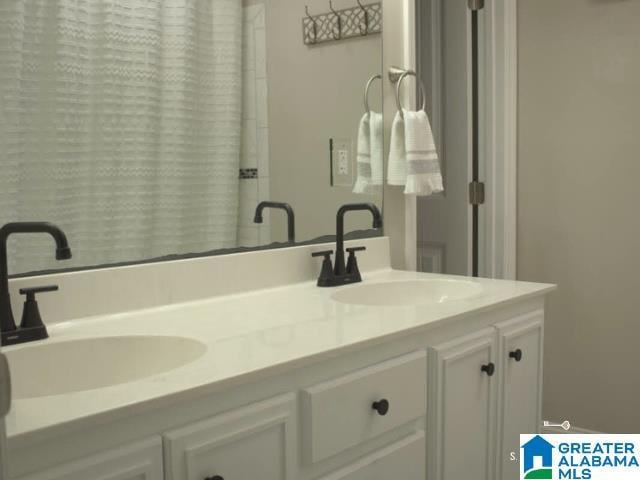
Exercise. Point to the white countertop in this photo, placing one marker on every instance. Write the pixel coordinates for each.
(247, 336)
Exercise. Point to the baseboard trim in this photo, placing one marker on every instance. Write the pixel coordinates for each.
(572, 431)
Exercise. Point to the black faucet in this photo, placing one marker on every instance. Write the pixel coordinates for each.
(31, 327)
(339, 273)
(291, 218)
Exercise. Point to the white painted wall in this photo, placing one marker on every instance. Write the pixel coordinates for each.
(578, 171)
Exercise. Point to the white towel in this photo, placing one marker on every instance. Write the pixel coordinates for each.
(413, 159)
(363, 182)
(376, 125)
(423, 169)
(397, 168)
(370, 154)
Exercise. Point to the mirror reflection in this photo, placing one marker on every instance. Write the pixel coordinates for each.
(155, 129)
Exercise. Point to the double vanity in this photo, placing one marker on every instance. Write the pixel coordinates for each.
(165, 137)
(264, 375)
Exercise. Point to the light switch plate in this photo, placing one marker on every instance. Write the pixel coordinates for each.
(342, 159)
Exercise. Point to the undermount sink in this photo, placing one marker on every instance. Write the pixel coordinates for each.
(413, 292)
(78, 365)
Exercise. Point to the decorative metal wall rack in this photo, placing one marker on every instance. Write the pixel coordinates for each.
(358, 21)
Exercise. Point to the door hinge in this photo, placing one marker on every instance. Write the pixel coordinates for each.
(476, 5)
(476, 193)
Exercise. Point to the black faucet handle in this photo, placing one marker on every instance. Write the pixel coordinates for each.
(324, 253)
(352, 263)
(326, 273)
(31, 291)
(31, 319)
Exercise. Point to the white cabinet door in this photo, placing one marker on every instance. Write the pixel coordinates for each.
(520, 398)
(462, 420)
(255, 442)
(403, 460)
(141, 461)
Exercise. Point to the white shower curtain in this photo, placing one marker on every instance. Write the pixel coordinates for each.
(121, 123)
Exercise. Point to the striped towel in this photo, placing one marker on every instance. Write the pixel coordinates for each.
(422, 165)
(397, 165)
(370, 156)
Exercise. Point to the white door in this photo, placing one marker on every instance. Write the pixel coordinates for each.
(461, 422)
(520, 400)
(5, 404)
(444, 222)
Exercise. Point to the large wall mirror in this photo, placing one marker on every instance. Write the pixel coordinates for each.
(153, 128)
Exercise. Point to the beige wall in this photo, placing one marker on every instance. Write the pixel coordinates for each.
(315, 93)
(578, 221)
(311, 145)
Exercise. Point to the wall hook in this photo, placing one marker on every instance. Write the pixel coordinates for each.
(314, 29)
(364, 27)
(338, 35)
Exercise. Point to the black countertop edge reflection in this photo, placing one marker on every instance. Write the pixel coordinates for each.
(355, 235)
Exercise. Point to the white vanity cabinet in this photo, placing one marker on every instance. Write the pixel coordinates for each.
(261, 440)
(485, 390)
(519, 408)
(442, 404)
(257, 441)
(140, 461)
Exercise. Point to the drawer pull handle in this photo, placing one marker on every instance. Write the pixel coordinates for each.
(381, 406)
(489, 369)
(516, 355)
(216, 477)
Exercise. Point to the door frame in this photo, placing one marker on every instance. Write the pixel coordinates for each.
(410, 54)
(499, 71)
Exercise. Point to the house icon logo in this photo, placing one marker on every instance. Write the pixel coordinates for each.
(537, 459)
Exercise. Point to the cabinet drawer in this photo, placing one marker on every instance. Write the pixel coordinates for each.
(339, 413)
(403, 460)
(257, 441)
(140, 461)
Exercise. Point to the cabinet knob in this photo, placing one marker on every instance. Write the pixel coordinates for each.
(489, 369)
(381, 406)
(215, 477)
(516, 355)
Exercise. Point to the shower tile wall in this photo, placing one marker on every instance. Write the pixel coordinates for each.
(254, 161)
